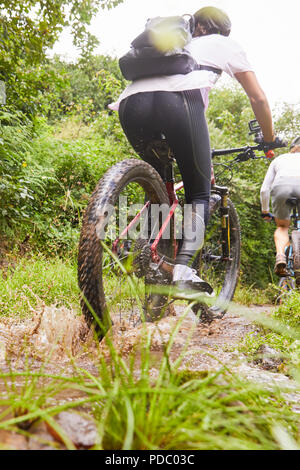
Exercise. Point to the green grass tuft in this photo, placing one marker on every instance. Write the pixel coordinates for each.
(35, 281)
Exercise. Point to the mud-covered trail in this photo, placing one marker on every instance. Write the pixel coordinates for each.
(56, 334)
(204, 347)
(60, 335)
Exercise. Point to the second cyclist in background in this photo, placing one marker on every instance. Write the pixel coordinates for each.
(282, 182)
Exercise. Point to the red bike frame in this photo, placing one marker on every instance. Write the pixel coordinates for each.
(172, 190)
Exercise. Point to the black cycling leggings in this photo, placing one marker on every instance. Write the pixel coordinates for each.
(180, 117)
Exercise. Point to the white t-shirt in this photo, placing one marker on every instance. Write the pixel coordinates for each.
(215, 50)
(282, 169)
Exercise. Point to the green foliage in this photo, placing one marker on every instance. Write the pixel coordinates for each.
(27, 29)
(16, 191)
(192, 413)
(277, 334)
(289, 311)
(36, 281)
(76, 167)
(288, 121)
(248, 295)
(48, 175)
(253, 341)
(90, 85)
(230, 111)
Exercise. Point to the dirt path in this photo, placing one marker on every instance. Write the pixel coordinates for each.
(202, 347)
(59, 332)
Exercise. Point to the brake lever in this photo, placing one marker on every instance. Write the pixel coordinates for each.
(245, 156)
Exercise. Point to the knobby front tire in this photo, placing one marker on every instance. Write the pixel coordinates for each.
(106, 290)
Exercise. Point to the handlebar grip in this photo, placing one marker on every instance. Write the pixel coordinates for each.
(267, 146)
(277, 144)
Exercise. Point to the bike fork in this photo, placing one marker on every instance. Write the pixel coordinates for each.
(224, 210)
(290, 259)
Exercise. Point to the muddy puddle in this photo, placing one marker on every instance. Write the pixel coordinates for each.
(60, 337)
(57, 341)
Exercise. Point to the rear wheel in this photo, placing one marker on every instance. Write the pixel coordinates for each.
(115, 277)
(296, 256)
(286, 285)
(221, 274)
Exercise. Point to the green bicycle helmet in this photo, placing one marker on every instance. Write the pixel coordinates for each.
(295, 143)
(214, 20)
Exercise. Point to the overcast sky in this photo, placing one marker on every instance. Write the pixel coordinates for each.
(269, 31)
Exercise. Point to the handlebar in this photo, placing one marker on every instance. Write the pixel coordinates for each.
(247, 149)
(248, 152)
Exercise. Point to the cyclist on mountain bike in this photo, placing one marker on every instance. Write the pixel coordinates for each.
(281, 182)
(174, 106)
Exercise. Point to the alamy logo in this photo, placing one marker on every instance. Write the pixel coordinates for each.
(132, 221)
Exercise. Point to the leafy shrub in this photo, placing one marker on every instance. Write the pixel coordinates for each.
(15, 188)
(289, 311)
(46, 180)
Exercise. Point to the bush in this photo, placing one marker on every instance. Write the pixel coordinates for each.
(16, 186)
(289, 311)
(47, 177)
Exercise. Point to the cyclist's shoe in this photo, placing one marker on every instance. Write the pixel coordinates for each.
(188, 283)
(280, 265)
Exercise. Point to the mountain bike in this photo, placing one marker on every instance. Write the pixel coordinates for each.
(291, 280)
(125, 267)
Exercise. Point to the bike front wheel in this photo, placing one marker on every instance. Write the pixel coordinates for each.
(115, 269)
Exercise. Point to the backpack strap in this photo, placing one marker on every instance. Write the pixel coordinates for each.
(209, 68)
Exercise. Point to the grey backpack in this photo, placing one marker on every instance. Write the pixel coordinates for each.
(160, 49)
